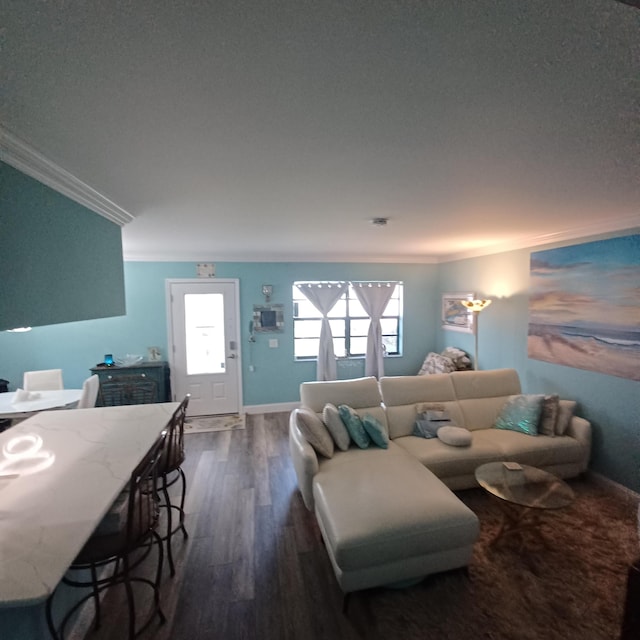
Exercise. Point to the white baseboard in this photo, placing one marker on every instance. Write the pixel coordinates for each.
(622, 491)
(271, 408)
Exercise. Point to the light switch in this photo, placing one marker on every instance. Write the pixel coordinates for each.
(273, 343)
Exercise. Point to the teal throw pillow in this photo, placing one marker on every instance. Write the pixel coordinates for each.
(376, 431)
(521, 413)
(354, 426)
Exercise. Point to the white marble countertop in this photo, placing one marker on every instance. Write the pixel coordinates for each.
(44, 400)
(51, 502)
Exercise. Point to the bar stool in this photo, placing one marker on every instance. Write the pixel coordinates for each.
(169, 472)
(124, 538)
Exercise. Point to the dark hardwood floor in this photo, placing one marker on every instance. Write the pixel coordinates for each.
(254, 565)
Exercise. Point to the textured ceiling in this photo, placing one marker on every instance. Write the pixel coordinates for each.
(277, 129)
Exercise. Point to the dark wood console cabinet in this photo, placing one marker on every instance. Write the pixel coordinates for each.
(143, 383)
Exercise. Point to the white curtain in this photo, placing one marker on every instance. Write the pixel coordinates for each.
(374, 297)
(323, 296)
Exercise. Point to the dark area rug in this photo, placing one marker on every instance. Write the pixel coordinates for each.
(575, 589)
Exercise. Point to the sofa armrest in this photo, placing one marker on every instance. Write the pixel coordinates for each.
(580, 429)
(305, 461)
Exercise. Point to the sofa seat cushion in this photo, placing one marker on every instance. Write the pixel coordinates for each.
(383, 509)
(537, 451)
(447, 461)
(373, 455)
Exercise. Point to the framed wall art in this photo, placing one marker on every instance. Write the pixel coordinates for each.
(584, 306)
(455, 315)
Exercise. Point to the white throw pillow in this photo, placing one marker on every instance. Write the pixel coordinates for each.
(315, 432)
(455, 436)
(335, 425)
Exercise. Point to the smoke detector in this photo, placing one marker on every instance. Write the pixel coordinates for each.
(379, 222)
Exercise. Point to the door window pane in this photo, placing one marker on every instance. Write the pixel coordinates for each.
(204, 333)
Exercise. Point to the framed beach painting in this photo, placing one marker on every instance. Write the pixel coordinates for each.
(455, 315)
(584, 306)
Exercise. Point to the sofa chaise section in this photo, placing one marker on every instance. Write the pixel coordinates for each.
(385, 518)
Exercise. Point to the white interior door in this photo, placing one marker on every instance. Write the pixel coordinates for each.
(204, 344)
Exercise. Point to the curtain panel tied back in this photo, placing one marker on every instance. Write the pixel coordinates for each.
(374, 297)
(324, 296)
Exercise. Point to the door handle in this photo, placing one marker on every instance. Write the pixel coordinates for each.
(233, 356)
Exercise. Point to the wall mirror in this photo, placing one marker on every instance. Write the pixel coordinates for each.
(268, 318)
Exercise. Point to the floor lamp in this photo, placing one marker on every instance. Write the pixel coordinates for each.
(476, 306)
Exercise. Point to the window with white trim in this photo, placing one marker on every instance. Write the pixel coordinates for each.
(349, 325)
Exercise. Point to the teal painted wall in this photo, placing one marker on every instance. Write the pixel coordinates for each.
(77, 346)
(610, 403)
(55, 251)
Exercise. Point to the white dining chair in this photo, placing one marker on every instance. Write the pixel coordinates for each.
(89, 395)
(44, 380)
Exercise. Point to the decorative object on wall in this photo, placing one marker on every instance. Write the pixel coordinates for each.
(205, 270)
(267, 291)
(475, 307)
(454, 314)
(268, 318)
(584, 306)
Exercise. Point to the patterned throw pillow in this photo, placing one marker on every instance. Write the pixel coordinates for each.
(435, 363)
(429, 422)
(354, 426)
(333, 421)
(549, 415)
(376, 431)
(521, 413)
(565, 413)
(459, 358)
(315, 432)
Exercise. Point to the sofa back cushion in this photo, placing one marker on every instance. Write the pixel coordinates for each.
(482, 394)
(358, 393)
(361, 394)
(402, 394)
(401, 390)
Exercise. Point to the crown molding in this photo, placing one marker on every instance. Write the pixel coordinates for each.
(252, 256)
(25, 158)
(630, 224)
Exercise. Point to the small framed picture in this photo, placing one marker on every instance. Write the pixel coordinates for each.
(455, 315)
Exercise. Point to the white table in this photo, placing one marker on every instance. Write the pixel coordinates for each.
(59, 399)
(47, 516)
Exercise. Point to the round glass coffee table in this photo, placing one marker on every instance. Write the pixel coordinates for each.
(525, 493)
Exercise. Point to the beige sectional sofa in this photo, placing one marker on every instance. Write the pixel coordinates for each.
(388, 515)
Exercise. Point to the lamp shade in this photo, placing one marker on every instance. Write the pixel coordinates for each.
(475, 305)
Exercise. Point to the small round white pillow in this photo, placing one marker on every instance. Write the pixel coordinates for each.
(455, 436)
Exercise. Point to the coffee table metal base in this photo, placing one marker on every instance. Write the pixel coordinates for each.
(524, 494)
(520, 526)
